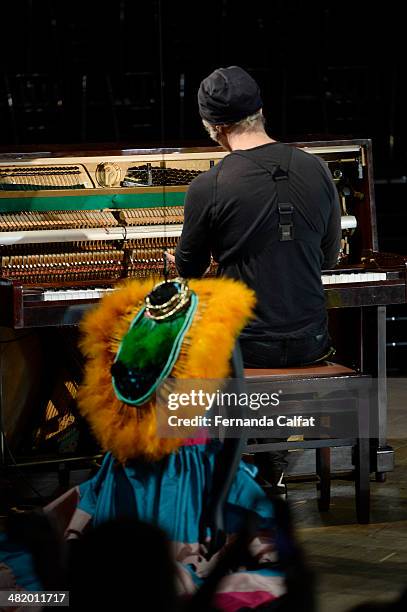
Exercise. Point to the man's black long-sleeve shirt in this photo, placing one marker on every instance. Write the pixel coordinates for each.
(231, 212)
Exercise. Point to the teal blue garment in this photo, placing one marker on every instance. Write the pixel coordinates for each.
(169, 493)
(20, 563)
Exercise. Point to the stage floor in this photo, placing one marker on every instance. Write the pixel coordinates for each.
(358, 563)
(353, 563)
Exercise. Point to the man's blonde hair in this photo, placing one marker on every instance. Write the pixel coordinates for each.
(248, 124)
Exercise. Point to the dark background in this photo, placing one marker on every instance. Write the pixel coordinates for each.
(128, 71)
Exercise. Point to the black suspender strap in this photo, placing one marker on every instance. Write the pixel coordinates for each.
(280, 176)
(285, 209)
(286, 225)
(284, 231)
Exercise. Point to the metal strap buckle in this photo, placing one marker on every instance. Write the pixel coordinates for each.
(286, 226)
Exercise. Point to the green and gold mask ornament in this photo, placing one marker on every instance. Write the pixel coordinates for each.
(150, 348)
(142, 333)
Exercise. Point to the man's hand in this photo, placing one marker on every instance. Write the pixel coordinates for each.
(170, 258)
(171, 262)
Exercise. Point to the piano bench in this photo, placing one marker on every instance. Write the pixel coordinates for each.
(336, 377)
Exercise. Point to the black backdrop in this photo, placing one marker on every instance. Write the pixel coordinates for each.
(83, 71)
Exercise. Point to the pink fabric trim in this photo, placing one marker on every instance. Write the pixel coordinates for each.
(77, 525)
(63, 508)
(252, 582)
(193, 441)
(230, 602)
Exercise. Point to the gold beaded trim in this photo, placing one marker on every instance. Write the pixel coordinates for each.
(175, 304)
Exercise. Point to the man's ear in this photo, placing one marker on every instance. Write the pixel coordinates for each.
(221, 130)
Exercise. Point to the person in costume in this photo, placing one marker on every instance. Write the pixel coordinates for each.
(138, 337)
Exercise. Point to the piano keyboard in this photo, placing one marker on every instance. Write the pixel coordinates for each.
(85, 293)
(65, 295)
(353, 277)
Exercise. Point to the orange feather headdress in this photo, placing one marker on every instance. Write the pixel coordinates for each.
(224, 307)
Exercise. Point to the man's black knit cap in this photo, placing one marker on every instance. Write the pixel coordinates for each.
(228, 95)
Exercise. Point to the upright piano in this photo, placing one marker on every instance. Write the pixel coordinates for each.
(72, 226)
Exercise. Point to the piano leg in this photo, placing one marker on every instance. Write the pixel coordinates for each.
(3, 442)
(6, 492)
(382, 454)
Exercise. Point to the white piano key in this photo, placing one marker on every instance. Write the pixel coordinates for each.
(329, 280)
(76, 294)
(353, 277)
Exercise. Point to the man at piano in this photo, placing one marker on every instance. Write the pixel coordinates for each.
(269, 214)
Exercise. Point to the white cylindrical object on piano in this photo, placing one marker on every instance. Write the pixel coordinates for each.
(63, 235)
(85, 235)
(348, 222)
